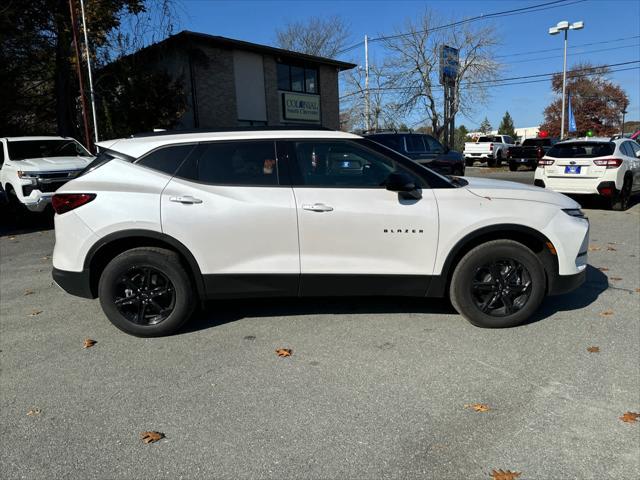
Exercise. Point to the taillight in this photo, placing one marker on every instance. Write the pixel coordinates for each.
(544, 161)
(64, 202)
(491, 146)
(609, 162)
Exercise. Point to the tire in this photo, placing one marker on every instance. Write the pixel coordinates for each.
(469, 162)
(513, 167)
(15, 207)
(491, 162)
(458, 171)
(499, 159)
(153, 270)
(620, 202)
(528, 285)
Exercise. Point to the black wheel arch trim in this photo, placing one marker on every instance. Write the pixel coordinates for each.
(440, 283)
(152, 235)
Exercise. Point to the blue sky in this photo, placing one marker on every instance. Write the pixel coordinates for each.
(605, 21)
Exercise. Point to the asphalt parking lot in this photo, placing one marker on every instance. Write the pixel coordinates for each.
(375, 388)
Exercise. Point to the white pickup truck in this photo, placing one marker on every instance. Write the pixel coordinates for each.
(489, 148)
(33, 168)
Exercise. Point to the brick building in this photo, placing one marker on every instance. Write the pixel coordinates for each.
(231, 83)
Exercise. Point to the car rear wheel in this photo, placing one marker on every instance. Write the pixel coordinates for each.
(620, 202)
(469, 162)
(146, 292)
(498, 284)
(491, 162)
(499, 159)
(513, 166)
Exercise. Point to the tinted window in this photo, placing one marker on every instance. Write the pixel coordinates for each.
(582, 150)
(391, 141)
(233, 163)
(536, 142)
(311, 80)
(297, 79)
(283, 77)
(432, 144)
(166, 159)
(508, 139)
(45, 148)
(635, 147)
(343, 164)
(627, 149)
(414, 143)
(488, 139)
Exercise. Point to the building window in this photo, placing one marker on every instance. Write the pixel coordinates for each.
(293, 78)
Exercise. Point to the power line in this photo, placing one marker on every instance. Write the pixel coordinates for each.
(546, 50)
(500, 81)
(575, 53)
(504, 13)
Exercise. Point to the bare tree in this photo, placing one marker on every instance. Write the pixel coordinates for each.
(324, 37)
(416, 64)
(383, 110)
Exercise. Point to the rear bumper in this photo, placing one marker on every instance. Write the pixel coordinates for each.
(75, 283)
(566, 283)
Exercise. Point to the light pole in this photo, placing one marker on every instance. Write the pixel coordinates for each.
(624, 112)
(564, 27)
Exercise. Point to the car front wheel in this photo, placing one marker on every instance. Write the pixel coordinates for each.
(498, 284)
(146, 292)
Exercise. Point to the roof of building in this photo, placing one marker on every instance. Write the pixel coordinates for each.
(139, 145)
(214, 40)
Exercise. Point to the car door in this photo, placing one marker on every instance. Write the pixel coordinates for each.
(357, 237)
(228, 206)
(631, 150)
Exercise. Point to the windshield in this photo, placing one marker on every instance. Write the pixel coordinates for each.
(582, 150)
(23, 149)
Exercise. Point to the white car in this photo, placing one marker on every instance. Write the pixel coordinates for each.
(159, 223)
(592, 165)
(492, 148)
(32, 168)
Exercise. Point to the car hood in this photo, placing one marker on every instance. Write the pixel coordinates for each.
(52, 164)
(501, 189)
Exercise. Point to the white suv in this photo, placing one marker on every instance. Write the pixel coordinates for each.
(601, 166)
(32, 168)
(158, 223)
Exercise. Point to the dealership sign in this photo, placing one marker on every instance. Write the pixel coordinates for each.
(298, 106)
(449, 64)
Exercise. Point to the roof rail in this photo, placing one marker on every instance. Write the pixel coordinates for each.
(230, 129)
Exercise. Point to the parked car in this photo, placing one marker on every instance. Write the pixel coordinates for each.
(158, 223)
(591, 165)
(32, 168)
(424, 149)
(492, 148)
(531, 150)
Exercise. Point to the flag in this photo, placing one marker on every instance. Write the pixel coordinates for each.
(572, 119)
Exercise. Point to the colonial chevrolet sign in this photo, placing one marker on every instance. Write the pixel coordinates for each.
(298, 106)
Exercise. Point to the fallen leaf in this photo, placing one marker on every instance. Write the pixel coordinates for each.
(35, 312)
(478, 407)
(504, 475)
(615, 279)
(46, 257)
(28, 291)
(33, 412)
(630, 417)
(12, 238)
(593, 349)
(637, 290)
(603, 269)
(284, 352)
(612, 249)
(88, 343)
(594, 248)
(151, 437)
(606, 313)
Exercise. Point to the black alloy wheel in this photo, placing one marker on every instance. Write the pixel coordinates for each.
(144, 296)
(501, 288)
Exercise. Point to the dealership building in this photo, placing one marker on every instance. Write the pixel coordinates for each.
(230, 83)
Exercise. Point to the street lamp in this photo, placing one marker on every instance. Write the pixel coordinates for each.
(564, 26)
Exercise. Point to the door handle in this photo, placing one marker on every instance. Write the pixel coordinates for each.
(318, 207)
(187, 199)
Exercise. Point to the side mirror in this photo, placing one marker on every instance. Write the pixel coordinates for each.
(403, 184)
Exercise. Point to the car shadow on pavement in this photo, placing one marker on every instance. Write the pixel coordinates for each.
(228, 311)
(596, 283)
(26, 223)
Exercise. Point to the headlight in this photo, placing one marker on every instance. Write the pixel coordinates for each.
(574, 212)
(22, 174)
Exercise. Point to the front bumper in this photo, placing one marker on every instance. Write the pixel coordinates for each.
(75, 283)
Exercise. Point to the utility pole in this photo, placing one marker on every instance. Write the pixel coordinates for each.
(91, 93)
(624, 112)
(564, 27)
(367, 104)
(83, 102)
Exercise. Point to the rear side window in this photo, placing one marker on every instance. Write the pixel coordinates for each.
(415, 144)
(627, 149)
(391, 141)
(635, 148)
(582, 150)
(432, 144)
(166, 159)
(233, 163)
(103, 157)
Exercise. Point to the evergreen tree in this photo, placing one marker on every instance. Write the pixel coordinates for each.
(460, 137)
(506, 126)
(485, 126)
